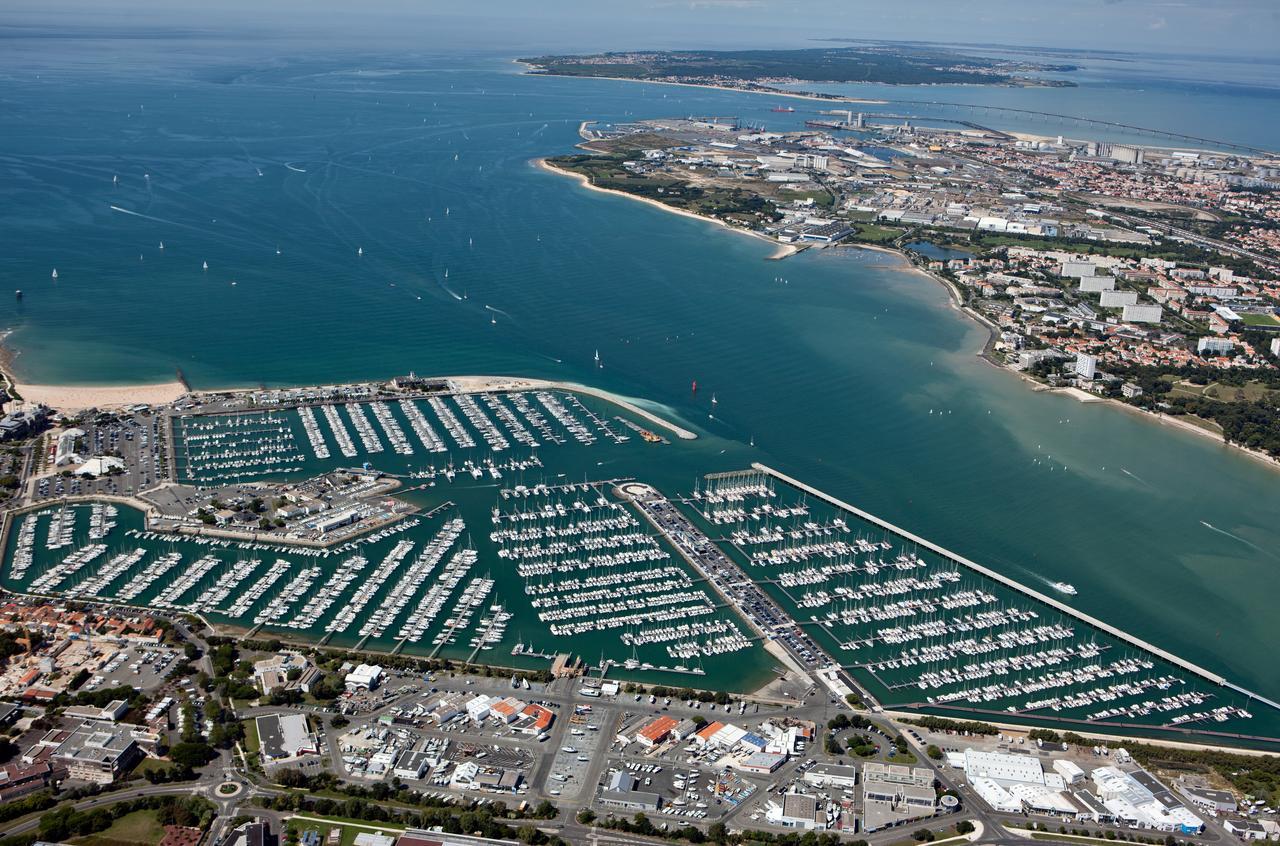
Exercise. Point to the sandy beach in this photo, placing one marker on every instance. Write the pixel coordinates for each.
(72, 398)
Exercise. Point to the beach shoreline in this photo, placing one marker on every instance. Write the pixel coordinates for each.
(70, 399)
(781, 250)
(1081, 396)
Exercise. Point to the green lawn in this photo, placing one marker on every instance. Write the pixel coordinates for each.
(136, 827)
(251, 742)
(152, 765)
(902, 758)
(875, 234)
(1259, 320)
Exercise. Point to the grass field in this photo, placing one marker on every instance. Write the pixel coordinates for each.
(1259, 320)
(251, 742)
(136, 827)
(152, 765)
(1248, 392)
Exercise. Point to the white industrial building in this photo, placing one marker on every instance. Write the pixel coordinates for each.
(1070, 771)
(364, 677)
(1131, 802)
(1002, 767)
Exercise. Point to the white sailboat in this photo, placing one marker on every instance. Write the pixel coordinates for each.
(162, 245)
(359, 251)
(205, 266)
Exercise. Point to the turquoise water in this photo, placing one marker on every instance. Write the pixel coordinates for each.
(424, 163)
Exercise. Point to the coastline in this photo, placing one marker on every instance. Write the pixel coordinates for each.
(529, 71)
(1079, 395)
(75, 398)
(781, 250)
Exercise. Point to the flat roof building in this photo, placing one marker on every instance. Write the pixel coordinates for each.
(97, 753)
(284, 736)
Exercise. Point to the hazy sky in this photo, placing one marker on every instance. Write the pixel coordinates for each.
(1202, 26)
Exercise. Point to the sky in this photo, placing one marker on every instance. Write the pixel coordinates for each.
(1213, 27)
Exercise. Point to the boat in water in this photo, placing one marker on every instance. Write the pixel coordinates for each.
(1063, 587)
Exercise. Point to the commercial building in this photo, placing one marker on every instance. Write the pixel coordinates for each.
(892, 793)
(285, 736)
(800, 811)
(621, 793)
(762, 763)
(1001, 767)
(656, 731)
(364, 677)
(1246, 829)
(1139, 799)
(1198, 793)
(832, 775)
(1070, 771)
(97, 753)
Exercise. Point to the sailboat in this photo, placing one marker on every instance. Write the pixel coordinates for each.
(162, 245)
(714, 401)
(359, 251)
(55, 273)
(597, 358)
(206, 265)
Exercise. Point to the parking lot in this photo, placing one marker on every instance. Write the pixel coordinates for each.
(138, 667)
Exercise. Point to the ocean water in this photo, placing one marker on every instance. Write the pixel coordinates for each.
(832, 361)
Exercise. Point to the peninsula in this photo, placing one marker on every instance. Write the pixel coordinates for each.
(1142, 275)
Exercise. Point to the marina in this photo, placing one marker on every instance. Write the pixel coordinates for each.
(923, 629)
(536, 554)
